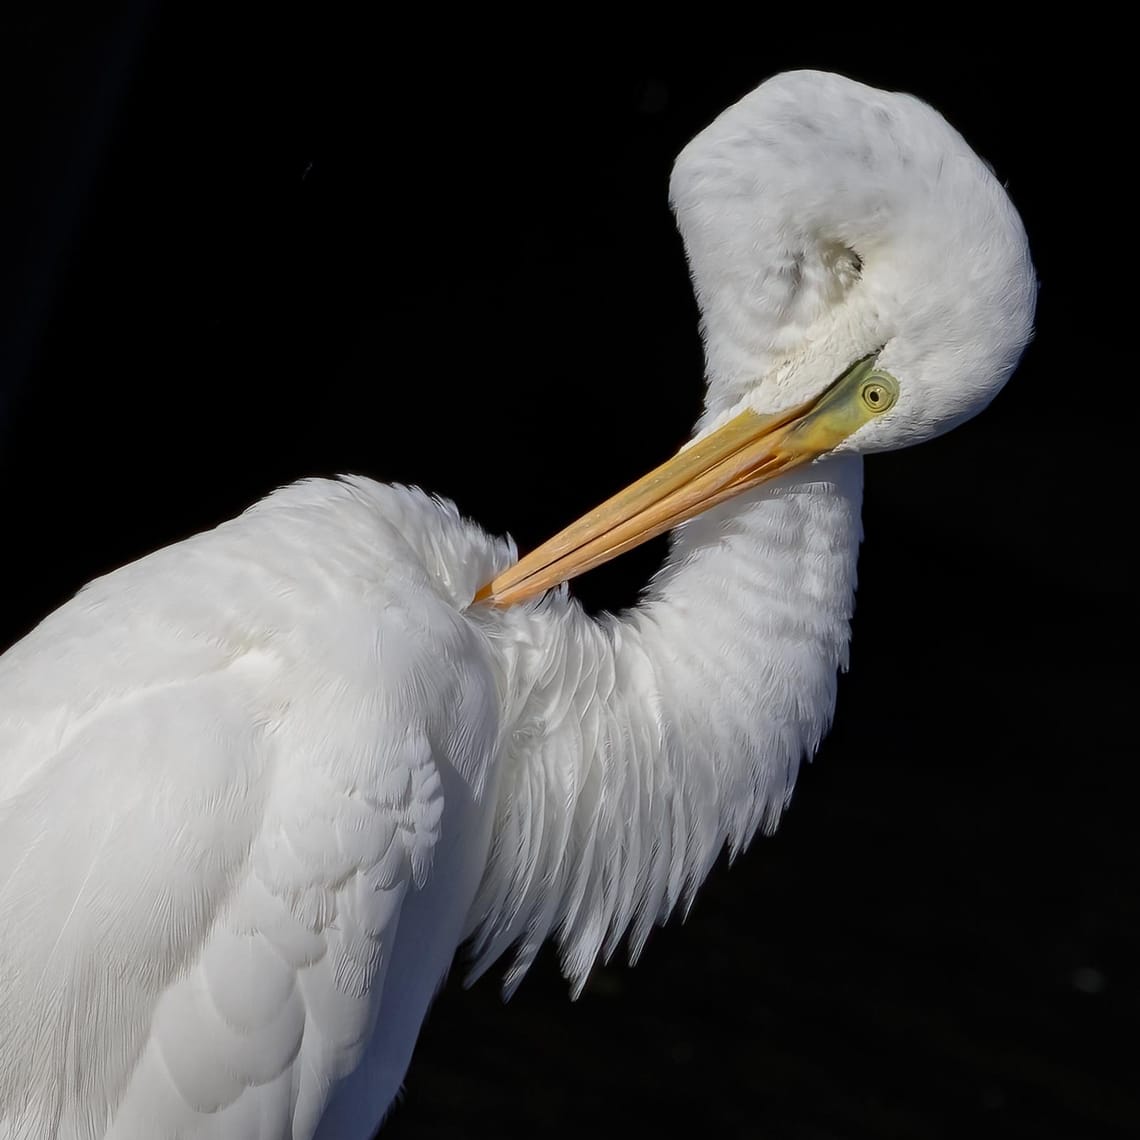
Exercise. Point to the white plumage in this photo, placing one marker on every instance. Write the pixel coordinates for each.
(257, 788)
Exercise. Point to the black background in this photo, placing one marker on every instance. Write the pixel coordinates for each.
(238, 255)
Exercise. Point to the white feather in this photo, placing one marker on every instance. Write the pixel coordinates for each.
(256, 788)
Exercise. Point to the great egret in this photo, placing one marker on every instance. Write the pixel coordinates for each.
(257, 787)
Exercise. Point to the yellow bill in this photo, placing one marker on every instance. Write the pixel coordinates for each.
(748, 450)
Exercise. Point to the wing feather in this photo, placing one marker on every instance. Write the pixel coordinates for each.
(222, 776)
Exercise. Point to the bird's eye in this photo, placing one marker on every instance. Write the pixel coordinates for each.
(879, 392)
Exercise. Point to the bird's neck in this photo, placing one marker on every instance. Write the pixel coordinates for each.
(635, 747)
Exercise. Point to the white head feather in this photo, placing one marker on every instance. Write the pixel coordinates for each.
(825, 220)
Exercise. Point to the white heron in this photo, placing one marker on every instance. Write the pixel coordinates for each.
(257, 787)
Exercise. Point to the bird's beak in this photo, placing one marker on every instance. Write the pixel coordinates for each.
(748, 450)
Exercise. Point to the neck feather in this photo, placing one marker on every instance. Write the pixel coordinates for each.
(635, 747)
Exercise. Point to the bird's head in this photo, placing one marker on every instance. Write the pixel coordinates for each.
(864, 284)
(827, 222)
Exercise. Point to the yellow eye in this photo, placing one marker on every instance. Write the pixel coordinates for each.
(879, 392)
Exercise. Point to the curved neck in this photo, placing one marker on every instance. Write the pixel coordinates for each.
(670, 729)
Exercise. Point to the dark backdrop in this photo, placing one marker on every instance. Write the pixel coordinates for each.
(239, 255)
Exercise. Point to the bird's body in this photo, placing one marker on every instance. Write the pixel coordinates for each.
(286, 789)
(257, 788)
(315, 776)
